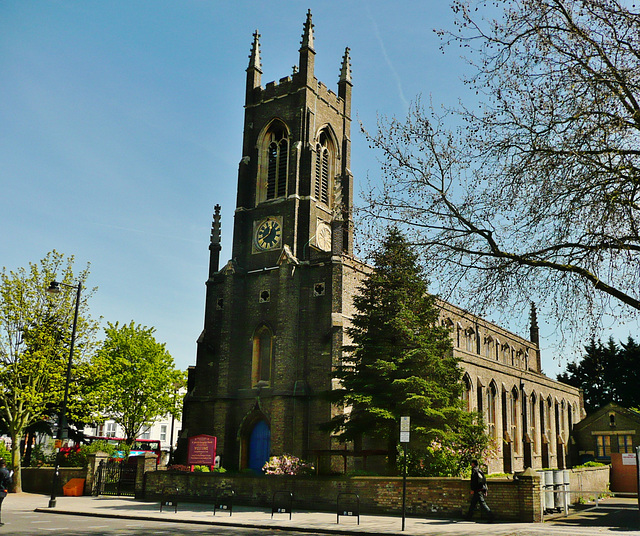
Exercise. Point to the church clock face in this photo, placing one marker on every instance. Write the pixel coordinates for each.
(268, 234)
(323, 237)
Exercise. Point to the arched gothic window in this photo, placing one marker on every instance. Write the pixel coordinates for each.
(488, 343)
(532, 422)
(561, 414)
(275, 163)
(491, 410)
(466, 392)
(470, 340)
(570, 417)
(547, 418)
(262, 355)
(515, 432)
(324, 168)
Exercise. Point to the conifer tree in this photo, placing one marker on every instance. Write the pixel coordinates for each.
(400, 361)
(606, 373)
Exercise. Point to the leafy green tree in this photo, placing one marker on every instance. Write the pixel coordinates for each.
(606, 373)
(400, 361)
(531, 193)
(140, 379)
(35, 332)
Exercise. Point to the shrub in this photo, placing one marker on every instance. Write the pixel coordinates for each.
(38, 457)
(287, 465)
(101, 446)
(362, 472)
(201, 469)
(5, 454)
(590, 464)
(179, 468)
(79, 458)
(440, 458)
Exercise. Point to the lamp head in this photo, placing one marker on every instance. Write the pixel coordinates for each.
(54, 288)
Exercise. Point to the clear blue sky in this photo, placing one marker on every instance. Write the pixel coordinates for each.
(121, 128)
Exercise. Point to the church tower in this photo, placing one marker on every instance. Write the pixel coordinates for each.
(273, 327)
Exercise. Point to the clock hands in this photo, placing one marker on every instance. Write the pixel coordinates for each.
(269, 234)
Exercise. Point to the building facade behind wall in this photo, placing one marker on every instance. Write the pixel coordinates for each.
(528, 415)
(275, 315)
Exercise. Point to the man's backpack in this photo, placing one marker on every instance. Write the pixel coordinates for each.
(482, 481)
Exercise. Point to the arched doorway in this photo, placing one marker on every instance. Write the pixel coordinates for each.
(259, 446)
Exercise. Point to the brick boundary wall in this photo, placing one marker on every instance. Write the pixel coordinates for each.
(40, 479)
(513, 500)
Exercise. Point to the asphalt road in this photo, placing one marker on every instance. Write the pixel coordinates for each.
(27, 514)
(40, 524)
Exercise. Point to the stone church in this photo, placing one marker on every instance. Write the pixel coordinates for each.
(275, 315)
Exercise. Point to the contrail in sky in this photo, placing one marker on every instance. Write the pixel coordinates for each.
(386, 57)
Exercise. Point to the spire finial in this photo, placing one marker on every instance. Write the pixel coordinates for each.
(254, 57)
(534, 316)
(534, 331)
(307, 34)
(215, 227)
(345, 71)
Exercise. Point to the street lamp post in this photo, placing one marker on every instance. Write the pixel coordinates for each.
(173, 420)
(63, 430)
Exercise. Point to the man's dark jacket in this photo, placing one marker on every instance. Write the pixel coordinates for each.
(478, 482)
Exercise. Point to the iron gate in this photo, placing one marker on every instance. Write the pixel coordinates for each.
(115, 477)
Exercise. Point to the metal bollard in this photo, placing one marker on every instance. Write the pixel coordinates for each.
(548, 491)
(566, 474)
(558, 485)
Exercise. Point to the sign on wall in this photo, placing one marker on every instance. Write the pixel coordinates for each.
(202, 450)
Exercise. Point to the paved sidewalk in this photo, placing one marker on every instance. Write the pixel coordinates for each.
(616, 516)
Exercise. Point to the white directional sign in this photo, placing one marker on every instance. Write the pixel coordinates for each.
(405, 427)
(405, 424)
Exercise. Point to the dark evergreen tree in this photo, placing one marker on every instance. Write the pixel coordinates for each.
(606, 373)
(401, 363)
(627, 374)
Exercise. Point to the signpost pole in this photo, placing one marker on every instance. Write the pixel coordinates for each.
(404, 486)
(405, 427)
(638, 473)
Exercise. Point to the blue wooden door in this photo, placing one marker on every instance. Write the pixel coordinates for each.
(259, 446)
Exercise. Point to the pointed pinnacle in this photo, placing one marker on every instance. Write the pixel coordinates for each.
(534, 315)
(307, 34)
(215, 226)
(254, 57)
(345, 70)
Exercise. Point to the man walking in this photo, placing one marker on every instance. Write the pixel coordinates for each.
(5, 483)
(478, 492)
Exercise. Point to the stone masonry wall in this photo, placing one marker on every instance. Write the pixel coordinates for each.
(589, 480)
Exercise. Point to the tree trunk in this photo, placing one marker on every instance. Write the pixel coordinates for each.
(28, 448)
(15, 462)
(392, 448)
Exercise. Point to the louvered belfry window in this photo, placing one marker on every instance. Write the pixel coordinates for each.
(278, 162)
(323, 169)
